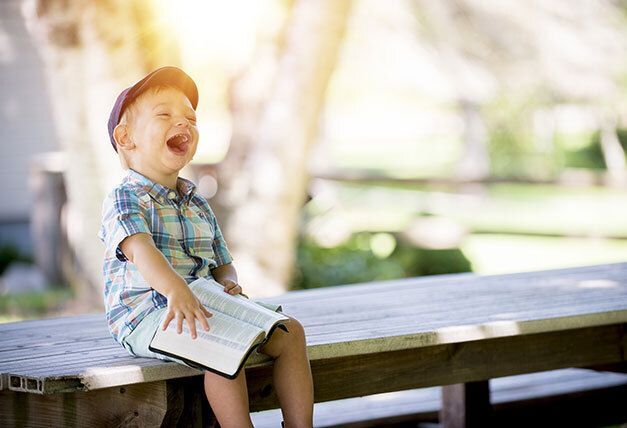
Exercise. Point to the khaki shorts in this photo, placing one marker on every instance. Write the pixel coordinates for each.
(137, 342)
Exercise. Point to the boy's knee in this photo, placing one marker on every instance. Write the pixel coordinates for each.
(296, 329)
(282, 339)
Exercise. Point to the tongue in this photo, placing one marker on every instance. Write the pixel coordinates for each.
(178, 145)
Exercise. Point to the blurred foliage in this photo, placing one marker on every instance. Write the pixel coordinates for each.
(33, 304)
(510, 136)
(514, 151)
(591, 155)
(9, 254)
(354, 261)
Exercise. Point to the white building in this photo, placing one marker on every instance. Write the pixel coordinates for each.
(26, 124)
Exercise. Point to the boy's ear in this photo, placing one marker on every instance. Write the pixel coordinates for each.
(121, 137)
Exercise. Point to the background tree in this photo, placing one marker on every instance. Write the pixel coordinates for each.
(264, 178)
(91, 49)
(544, 53)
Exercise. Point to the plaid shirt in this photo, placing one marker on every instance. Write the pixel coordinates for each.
(183, 228)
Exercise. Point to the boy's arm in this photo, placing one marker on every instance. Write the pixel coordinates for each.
(227, 276)
(140, 249)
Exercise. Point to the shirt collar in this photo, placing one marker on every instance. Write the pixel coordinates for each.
(159, 192)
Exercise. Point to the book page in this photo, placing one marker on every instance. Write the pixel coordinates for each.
(228, 331)
(212, 294)
(223, 347)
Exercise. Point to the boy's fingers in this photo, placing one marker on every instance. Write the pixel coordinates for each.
(191, 323)
(179, 324)
(203, 321)
(167, 320)
(232, 288)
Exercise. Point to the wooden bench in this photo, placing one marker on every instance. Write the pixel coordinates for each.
(457, 330)
(563, 397)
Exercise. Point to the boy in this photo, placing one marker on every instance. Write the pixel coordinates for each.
(160, 235)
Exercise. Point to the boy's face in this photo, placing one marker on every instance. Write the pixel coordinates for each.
(163, 132)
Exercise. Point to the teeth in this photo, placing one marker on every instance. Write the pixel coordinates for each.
(184, 137)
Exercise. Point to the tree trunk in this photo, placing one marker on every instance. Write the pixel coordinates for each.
(91, 51)
(474, 163)
(613, 152)
(263, 180)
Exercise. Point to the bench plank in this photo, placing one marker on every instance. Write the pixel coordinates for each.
(362, 339)
(523, 392)
(360, 319)
(447, 364)
(446, 280)
(67, 320)
(141, 405)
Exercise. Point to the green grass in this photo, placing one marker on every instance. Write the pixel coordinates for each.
(432, 157)
(31, 305)
(505, 223)
(495, 254)
(504, 208)
(547, 209)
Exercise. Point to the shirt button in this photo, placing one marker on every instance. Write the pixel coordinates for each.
(172, 195)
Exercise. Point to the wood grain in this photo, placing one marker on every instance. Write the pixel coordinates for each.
(360, 319)
(458, 329)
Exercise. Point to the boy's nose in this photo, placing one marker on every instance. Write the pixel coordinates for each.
(181, 121)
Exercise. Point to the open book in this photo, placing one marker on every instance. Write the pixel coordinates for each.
(237, 327)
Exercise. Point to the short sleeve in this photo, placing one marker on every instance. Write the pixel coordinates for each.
(122, 216)
(220, 249)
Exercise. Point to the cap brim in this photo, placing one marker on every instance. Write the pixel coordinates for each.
(167, 76)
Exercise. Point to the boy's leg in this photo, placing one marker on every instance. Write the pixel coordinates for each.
(138, 341)
(292, 374)
(228, 399)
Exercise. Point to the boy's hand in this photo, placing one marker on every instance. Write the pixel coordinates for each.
(183, 305)
(230, 286)
(226, 276)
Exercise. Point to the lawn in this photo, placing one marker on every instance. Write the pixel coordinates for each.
(506, 227)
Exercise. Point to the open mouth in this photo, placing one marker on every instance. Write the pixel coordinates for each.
(178, 143)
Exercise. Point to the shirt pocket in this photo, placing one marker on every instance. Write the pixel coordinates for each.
(170, 223)
(202, 225)
(203, 232)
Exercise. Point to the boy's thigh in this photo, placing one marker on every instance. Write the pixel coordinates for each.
(137, 342)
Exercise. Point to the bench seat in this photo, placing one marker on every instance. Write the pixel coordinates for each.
(453, 330)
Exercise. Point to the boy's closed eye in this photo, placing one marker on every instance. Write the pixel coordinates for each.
(192, 119)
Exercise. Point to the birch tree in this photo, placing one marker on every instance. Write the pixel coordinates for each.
(91, 50)
(264, 178)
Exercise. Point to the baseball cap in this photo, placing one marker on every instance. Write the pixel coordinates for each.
(165, 75)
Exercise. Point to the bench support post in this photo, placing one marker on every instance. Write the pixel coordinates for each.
(466, 405)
